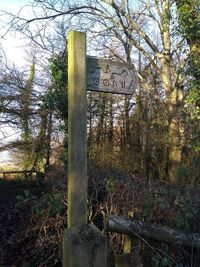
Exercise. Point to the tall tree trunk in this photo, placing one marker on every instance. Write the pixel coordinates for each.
(25, 118)
(148, 146)
(100, 127)
(48, 141)
(127, 135)
(110, 126)
(40, 143)
(175, 135)
(128, 141)
(174, 97)
(90, 134)
(26, 101)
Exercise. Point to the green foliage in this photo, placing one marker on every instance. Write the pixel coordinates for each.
(187, 212)
(189, 173)
(64, 154)
(192, 106)
(47, 205)
(188, 11)
(160, 262)
(189, 20)
(27, 196)
(56, 98)
(165, 262)
(48, 202)
(178, 208)
(111, 184)
(175, 207)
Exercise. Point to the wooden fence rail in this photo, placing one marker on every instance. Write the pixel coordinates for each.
(25, 173)
(139, 230)
(151, 231)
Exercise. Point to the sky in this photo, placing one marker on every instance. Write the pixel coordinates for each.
(13, 43)
(13, 46)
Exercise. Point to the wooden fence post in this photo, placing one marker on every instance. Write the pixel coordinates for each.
(130, 256)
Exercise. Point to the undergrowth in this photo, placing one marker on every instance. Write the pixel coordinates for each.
(36, 240)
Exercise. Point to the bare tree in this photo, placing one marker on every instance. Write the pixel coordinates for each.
(148, 28)
(166, 57)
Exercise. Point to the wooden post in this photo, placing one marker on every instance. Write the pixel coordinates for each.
(130, 256)
(128, 240)
(83, 244)
(77, 159)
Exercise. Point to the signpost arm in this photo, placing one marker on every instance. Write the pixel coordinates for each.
(77, 143)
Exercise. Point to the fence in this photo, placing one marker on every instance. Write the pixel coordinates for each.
(26, 174)
(137, 231)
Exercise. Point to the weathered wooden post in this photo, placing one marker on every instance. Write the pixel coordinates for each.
(130, 256)
(83, 244)
(77, 158)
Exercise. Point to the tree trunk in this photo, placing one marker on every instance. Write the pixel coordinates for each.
(40, 143)
(100, 127)
(174, 97)
(175, 143)
(48, 142)
(110, 126)
(25, 118)
(90, 134)
(127, 135)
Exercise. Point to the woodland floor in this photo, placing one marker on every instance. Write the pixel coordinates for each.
(31, 233)
(15, 243)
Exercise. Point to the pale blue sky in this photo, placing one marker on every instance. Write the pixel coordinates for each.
(14, 1)
(13, 4)
(13, 45)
